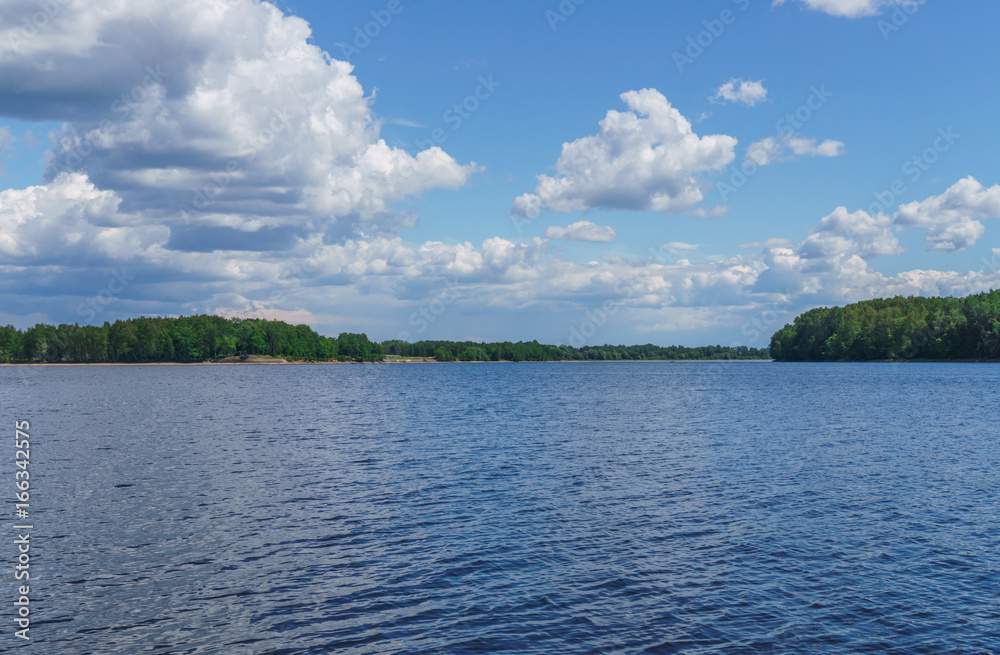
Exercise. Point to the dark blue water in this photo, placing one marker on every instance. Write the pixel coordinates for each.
(529, 508)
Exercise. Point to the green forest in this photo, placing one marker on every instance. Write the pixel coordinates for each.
(185, 339)
(895, 329)
(189, 339)
(469, 351)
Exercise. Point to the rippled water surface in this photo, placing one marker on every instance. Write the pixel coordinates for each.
(528, 508)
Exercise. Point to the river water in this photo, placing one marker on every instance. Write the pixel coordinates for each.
(510, 508)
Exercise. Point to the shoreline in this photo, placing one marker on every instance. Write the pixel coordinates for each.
(397, 361)
(273, 362)
(415, 360)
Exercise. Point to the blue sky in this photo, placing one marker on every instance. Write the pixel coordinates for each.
(345, 190)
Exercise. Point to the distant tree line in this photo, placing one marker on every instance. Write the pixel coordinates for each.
(894, 329)
(469, 351)
(183, 339)
(200, 338)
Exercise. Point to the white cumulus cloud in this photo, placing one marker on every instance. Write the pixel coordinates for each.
(953, 220)
(811, 147)
(785, 147)
(746, 91)
(582, 231)
(647, 158)
(715, 212)
(859, 233)
(850, 8)
(214, 112)
(69, 221)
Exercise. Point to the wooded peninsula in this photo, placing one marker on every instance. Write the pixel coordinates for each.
(193, 339)
(899, 329)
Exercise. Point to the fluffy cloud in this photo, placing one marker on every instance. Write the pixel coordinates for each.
(715, 212)
(527, 205)
(70, 220)
(765, 151)
(953, 220)
(850, 8)
(678, 247)
(831, 263)
(871, 236)
(746, 91)
(582, 231)
(216, 113)
(784, 147)
(647, 158)
(809, 147)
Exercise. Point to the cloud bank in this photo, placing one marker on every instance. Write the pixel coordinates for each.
(215, 113)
